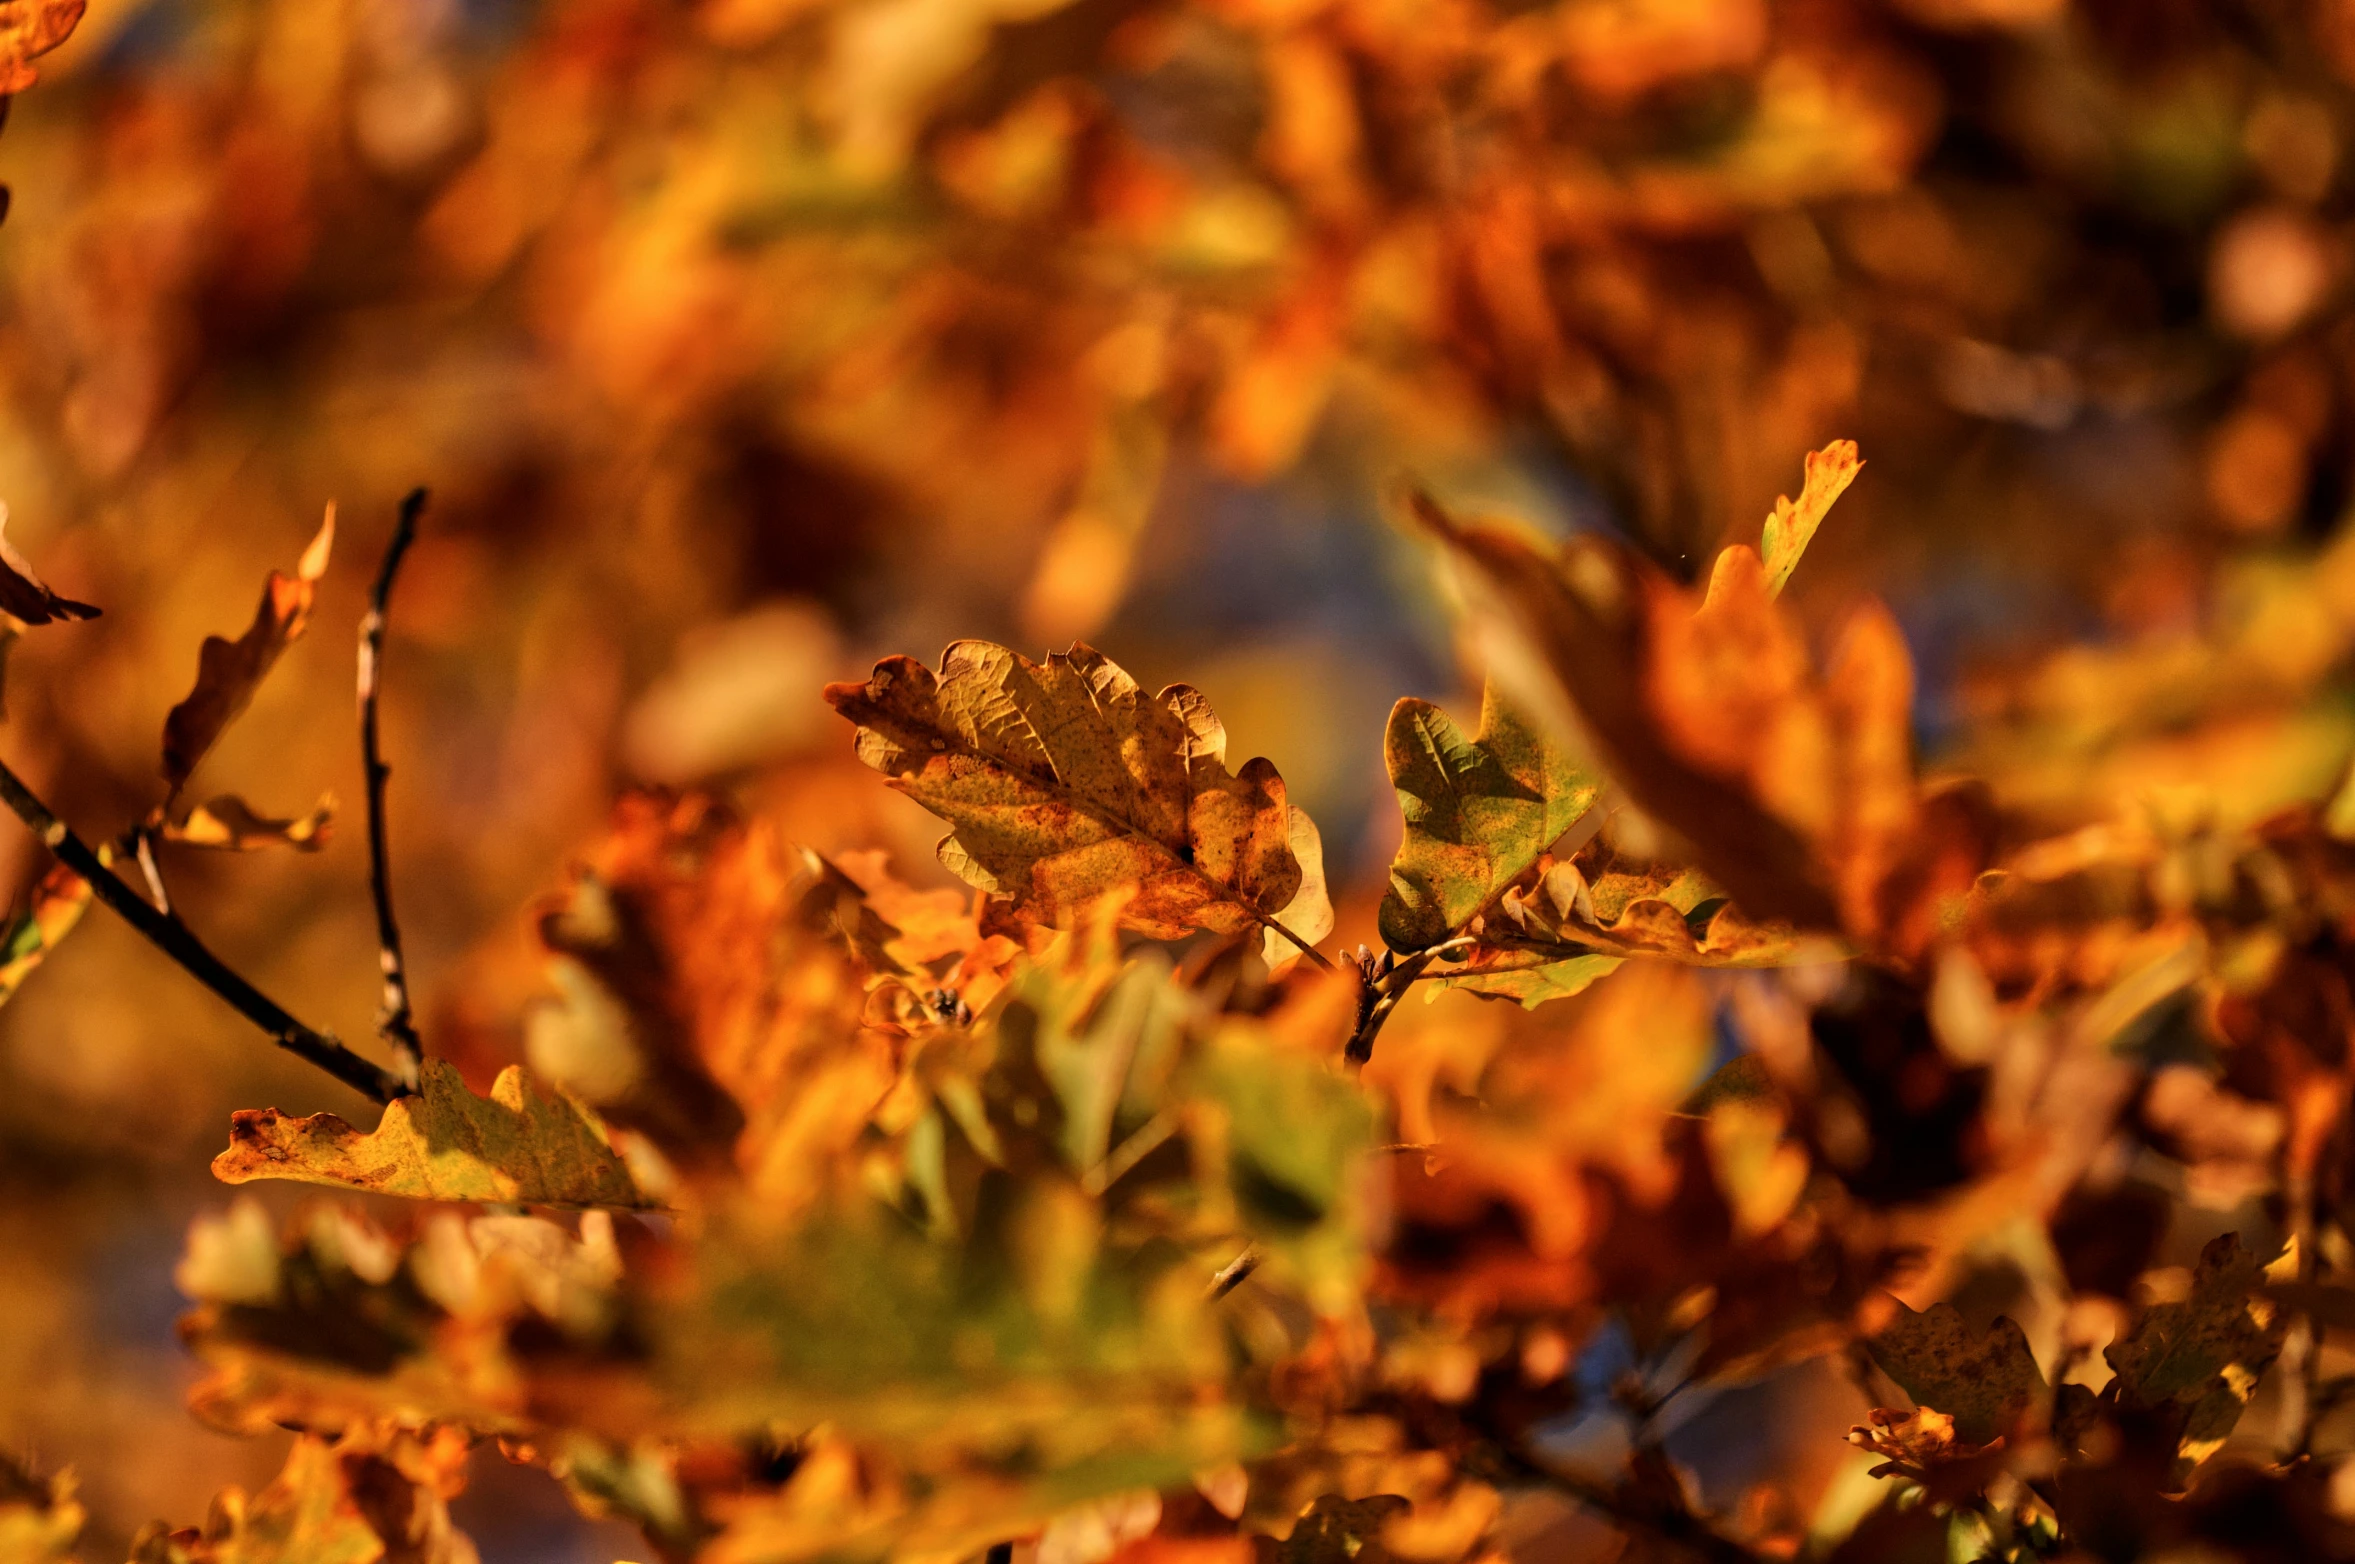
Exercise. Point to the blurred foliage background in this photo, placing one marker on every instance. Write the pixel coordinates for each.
(745, 340)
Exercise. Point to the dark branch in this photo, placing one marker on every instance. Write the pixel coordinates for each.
(174, 938)
(394, 1019)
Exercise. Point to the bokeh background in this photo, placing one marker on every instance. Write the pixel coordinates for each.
(743, 341)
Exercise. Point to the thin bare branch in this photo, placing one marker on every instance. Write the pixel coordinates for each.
(395, 1021)
(1235, 1272)
(176, 940)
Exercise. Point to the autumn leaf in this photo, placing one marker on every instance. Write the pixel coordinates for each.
(1064, 782)
(1986, 1381)
(228, 672)
(366, 1497)
(330, 1322)
(29, 29)
(39, 1518)
(58, 901)
(1794, 787)
(23, 595)
(1478, 812)
(513, 1147)
(1791, 526)
(230, 823)
(2204, 1354)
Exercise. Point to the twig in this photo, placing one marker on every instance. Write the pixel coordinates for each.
(394, 1022)
(1306, 949)
(1235, 1272)
(176, 940)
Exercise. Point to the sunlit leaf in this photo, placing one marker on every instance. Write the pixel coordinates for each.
(1478, 812)
(1064, 782)
(1792, 525)
(228, 672)
(29, 29)
(513, 1147)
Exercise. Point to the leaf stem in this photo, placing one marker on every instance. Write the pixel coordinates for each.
(176, 940)
(395, 1021)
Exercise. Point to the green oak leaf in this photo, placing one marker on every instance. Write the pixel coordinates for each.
(1478, 813)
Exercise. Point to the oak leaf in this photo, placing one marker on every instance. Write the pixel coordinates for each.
(228, 672)
(1795, 788)
(29, 29)
(716, 1001)
(1064, 782)
(1478, 812)
(1791, 526)
(23, 595)
(1986, 1381)
(2203, 1354)
(513, 1147)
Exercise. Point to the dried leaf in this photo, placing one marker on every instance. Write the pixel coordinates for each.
(1987, 1381)
(366, 1497)
(228, 672)
(1792, 525)
(2204, 1354)
(28, 30)
(1795, 790)
(230, 823)
(1065, 783)
(58, 901)
(1478, 813)
(513, 1147)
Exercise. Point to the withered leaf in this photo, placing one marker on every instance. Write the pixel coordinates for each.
(230, 823)
(366, 1497)
(59, 898)
(1985, 1380)
(1064, 782)
(23, 594)
(513, 1147)
(39, 1518)
(228, 672)
(1795, 789)
(1478, 812)
(1792, 524)
(2205, 1353)
(29, 29)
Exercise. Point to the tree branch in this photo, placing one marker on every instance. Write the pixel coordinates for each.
(1306, 949)
(394, 1020)
(176, 940)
